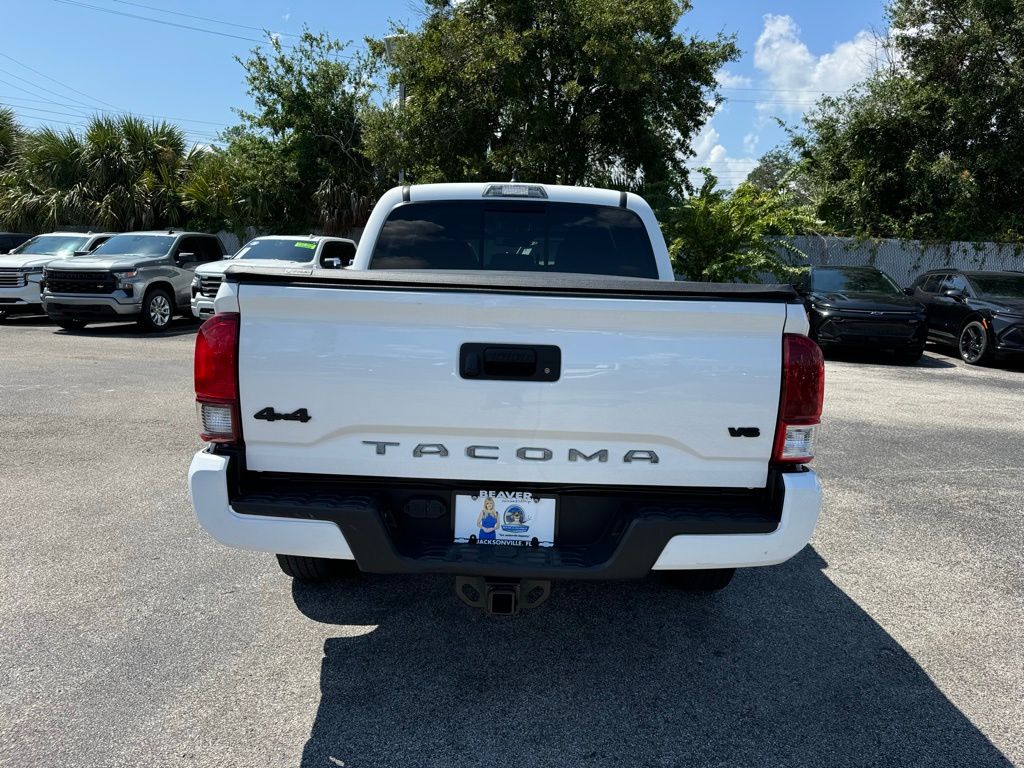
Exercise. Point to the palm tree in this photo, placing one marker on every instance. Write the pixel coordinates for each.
(8, 135)
(121, 173)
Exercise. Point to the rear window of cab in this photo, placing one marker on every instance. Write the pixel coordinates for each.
(520, 236)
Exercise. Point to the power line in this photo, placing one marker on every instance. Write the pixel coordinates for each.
(41, 88)
(199, 18)
(165, 22)
(158, 21)
(119, 112)
(54, 80)
(193, 131)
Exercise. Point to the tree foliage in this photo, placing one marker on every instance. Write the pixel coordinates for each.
(719, 235)
(562, 91)
(298, 157)
(120, 173)
(933, 146)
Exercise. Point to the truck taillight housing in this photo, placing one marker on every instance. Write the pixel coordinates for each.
(803, 391)
(216, 378)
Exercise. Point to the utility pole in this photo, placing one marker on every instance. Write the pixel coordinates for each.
(390, 46)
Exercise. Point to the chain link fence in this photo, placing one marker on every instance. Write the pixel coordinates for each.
(904, 260)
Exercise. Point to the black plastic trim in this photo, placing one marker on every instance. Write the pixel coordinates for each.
(515, 283)
(404, 526)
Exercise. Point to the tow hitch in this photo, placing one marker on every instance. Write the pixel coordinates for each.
(501, 597)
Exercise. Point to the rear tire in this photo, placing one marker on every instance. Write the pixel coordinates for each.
(157, 310)
(910, 356)
(71, 325)
(975, 344)
(705, 580)
(316, 568)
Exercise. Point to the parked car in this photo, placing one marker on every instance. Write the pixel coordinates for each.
(21, 271)
(863, 307)
(11, 240)
(142, 276)
(980, 313)
(507, 386)
(280, 250)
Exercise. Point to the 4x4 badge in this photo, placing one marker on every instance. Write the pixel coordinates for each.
(269, 414)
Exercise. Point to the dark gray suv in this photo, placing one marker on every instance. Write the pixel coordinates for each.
(143, 276)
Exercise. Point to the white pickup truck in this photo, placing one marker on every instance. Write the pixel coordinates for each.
(507, 386)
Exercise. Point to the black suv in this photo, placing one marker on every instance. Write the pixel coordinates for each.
(862, 307)
(980, 313)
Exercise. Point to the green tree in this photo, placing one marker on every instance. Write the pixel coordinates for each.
(562, 91)
(932, 146)
(719, 235)
(297, 157)
(8, 135)
(119, 173)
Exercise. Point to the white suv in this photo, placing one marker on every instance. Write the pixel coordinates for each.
(21, 270)
(273, 250)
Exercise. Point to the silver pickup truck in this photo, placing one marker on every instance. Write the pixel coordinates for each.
(141, 276)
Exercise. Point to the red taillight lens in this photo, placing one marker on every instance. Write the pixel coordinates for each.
(216, 378)
(803, 392)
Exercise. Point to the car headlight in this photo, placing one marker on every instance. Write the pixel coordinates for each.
(33, 274)
(822, 308)
(195, 281)
(124, 279)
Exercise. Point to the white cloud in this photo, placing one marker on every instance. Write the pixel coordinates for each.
(750, 142)
(797, 75)
(730, 80)
(287, 16)
(710, 152)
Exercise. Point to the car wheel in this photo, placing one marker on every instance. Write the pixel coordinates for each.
(316, 568)
(157, 310)
(69, 324)
(909, 356)
(974, 345)
(705, 580)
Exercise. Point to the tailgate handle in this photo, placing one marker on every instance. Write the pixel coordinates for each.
(510, 362)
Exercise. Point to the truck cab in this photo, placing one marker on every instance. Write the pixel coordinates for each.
(140, 276)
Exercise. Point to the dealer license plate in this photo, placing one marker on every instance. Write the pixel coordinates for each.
(502, 517)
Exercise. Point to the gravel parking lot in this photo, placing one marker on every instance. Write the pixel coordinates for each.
(130, 638)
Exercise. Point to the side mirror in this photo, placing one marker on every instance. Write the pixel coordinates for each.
(954, 294)
(331, 262)
(185, 258)
(908, 291)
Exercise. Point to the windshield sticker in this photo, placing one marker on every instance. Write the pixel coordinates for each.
(311, 246)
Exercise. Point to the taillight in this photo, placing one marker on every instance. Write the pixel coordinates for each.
(216, 377)
(803, 390)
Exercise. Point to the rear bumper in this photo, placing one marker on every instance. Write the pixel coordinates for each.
(667, 535)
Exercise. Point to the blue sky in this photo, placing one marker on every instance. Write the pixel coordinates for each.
(64, 59)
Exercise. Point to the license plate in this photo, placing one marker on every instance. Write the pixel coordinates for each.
(502, 517)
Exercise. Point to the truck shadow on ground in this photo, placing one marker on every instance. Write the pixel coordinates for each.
(780, 669)
(931, 359)
(178, 327)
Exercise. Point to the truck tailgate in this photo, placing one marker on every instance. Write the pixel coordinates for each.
(651, 391)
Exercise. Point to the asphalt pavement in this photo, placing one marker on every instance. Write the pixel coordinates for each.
(128, 637)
